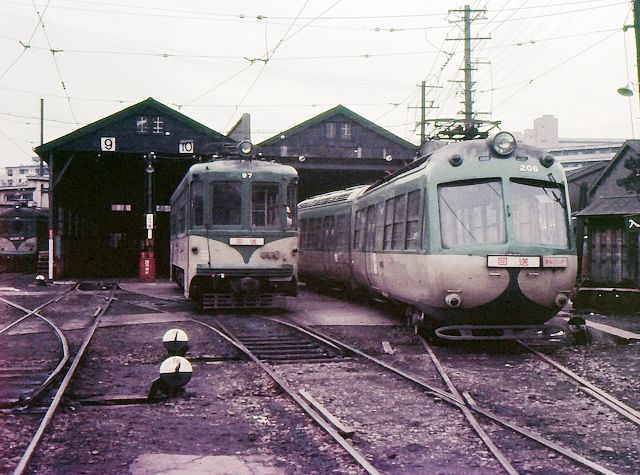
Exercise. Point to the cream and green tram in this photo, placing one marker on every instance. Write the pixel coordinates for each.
(234, 242)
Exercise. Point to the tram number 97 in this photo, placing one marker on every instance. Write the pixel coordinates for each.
(247, 174)
(529, 168)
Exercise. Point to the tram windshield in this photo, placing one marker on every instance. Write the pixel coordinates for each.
(264, 204)
(17, 227)
(226, 203)
(471, 213)
(539, 213)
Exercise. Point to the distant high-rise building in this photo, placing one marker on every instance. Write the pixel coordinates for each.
(546, 130)
(572, 152)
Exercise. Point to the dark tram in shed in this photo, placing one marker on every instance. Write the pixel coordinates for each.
(23, 234)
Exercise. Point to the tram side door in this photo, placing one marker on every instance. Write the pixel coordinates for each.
(371, 257)
(328, 231)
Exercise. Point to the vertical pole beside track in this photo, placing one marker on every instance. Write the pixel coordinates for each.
(636, 26)
(50, 267)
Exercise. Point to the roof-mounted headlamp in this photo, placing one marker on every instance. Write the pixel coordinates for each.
(246, 148)
(503, 143)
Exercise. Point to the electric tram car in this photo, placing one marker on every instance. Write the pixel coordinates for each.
(475, 233)
(234, 239)
(23, 233)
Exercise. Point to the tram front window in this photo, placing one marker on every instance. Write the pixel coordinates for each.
(264, 204)
(471, 213)
(539, 213)
(226, 203)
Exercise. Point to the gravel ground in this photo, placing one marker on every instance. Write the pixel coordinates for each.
(231, 408)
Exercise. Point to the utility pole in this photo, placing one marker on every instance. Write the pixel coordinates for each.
(636, 26)
(41, 133)
(423, 109)
(423, 114)
(468, 85)
(470, 124)
(147, 261)
(467, 128)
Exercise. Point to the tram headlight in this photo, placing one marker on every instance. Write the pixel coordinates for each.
(503, 143)
(561, 300)
(547, 161)
(453, 300)
(455, 160)
(246, 148)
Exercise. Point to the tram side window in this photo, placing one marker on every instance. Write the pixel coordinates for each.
(197, 204)
(182, 211)
(303, 234)
(292, 208)
(226, 203)
(412, 237)
(399, 217)
(264, 204)
(379, 239)
(371, 228)
(388, 223)
(314, 226)
(328, 234)
(358, 234)
(342, 233)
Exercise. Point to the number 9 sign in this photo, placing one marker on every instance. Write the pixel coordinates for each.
(108, 144)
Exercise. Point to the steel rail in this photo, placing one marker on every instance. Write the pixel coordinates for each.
(451, 398)
(35, 395)
(30, 312)
(533, 436)
(467, 402)
(48, 417)
(497, 453)
(355, 454)
(615, 404)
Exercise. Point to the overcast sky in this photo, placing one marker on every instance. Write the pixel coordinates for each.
(287, 61)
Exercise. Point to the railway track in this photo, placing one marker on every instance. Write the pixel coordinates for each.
(39, 384)
(25, 383)
(236, 332)
(473, 411)
(384, 419)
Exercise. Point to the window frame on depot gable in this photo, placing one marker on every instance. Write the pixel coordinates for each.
(157, 124)
(150, 124)
(346, 131)
(331, 130)
(142, 124)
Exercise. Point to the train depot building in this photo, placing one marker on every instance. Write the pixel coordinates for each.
(608, 228)
(111, 181)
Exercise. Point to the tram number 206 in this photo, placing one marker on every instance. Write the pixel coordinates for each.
(529, 168)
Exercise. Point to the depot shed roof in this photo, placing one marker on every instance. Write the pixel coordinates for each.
(612, 205)
(83, 139)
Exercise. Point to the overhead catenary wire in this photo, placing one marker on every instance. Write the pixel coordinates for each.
(559, 64)
(372, 56)
(26, 45)
(55, 60)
